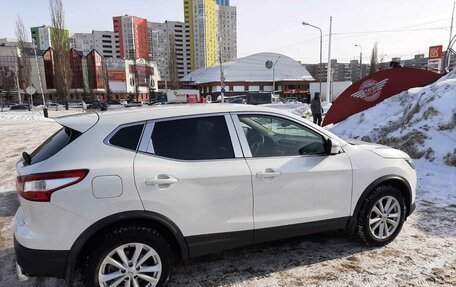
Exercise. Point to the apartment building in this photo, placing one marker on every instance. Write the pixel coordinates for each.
(133, 37)
(169, 43)
(105, 42)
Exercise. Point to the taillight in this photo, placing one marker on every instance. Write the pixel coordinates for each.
(40, 186)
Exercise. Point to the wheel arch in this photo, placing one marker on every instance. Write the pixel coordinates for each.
(88, 238)
(395, 180)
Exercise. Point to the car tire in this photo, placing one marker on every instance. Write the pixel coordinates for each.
(129, 239)
(381, 216)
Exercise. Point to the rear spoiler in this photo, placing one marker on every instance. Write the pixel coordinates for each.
(79, 122)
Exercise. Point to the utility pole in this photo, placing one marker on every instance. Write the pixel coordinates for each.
(45, 111)
(222, 77)
(273, 75)
(167, 60)
(449, 43)
(360, 61)
(328, 88)
(321, 43)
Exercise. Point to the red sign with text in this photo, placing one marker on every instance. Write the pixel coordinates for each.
(374, 89)
(435, 52)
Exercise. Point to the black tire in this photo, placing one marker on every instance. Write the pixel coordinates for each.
(363, 230)
(125, 235)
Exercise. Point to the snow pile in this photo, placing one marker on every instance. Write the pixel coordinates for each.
(420, 121)
(299, 109)
(22, 116)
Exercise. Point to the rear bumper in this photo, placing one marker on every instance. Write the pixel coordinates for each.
(40, 263)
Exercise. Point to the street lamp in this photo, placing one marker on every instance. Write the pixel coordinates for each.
(360, 61)
(321, 41)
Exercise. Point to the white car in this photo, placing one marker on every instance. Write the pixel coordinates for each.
(125, 195)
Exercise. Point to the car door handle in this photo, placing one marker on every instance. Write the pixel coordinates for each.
(162, 180)
(268, 173)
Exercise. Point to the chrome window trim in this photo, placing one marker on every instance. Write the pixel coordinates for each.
(148, 148)
(243, 139)
(146, 142)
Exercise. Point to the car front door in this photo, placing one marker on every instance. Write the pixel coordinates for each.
(192, 171)
(297, 186)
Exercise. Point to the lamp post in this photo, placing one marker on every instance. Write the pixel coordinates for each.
(360, 61)
(321, 41)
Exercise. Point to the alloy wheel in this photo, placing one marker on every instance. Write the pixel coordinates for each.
(385, 217)
(133, 264)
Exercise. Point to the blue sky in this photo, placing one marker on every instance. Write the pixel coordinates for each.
(274, 25)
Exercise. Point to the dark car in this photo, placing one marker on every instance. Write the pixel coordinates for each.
(97, 105)
(19, 107)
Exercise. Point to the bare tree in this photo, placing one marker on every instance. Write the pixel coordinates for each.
(374, 59)
(25, 68)
(62, 54)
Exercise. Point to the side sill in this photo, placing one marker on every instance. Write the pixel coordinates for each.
(209, 243)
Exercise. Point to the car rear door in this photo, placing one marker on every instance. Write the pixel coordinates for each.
(298, 189)
(192, 171)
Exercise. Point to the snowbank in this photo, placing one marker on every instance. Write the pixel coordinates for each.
(300, 109)
(420, 121)
(35, 115)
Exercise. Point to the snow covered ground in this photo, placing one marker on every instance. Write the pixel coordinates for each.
(424, 253)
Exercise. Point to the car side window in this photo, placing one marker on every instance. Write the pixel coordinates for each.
(127, 137)
(270, 136)
(201, 138)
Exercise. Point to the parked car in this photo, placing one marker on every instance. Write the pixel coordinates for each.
(77, 104)
(133, 104)
(19, 107)
(98, 105)
(164, 184)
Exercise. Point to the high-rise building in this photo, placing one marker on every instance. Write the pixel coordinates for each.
(227, 30)
(133, 37)
(105, 42)
(223, 2)
(42, 36)
(170, 46)
(201, 15)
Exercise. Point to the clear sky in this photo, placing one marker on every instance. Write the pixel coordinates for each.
(274, 25)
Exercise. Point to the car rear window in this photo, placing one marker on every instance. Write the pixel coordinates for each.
(127, 137)
(54, 144)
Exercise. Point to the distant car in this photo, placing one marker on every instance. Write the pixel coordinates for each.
(19, 107)
(76, 104)
(238, 101)
(114, 102)
(133, 104)
(97, 105)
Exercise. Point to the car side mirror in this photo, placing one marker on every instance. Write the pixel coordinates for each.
(332, 147)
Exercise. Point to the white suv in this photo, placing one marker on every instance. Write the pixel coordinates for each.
(126, 195)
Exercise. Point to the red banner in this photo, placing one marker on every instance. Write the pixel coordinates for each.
(374, 89)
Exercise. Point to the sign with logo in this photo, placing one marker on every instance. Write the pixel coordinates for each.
(370, 90)
(374, 89)
(436, 52)
(30, 90)
(269, 64)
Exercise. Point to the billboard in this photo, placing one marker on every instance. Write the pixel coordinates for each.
(374, 89)
(116, 75)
